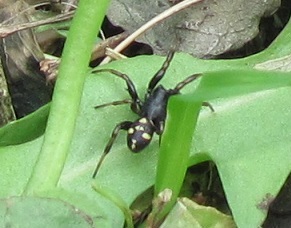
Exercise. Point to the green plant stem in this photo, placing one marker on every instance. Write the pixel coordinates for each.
(67, 95)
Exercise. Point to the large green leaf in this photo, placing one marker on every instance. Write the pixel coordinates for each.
(247, 137)
(239, 127)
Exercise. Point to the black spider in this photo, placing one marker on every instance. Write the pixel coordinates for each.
(152, 111)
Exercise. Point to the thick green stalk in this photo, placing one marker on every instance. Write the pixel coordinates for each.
(67, 95)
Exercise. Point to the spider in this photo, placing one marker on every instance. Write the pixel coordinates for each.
(152, 111)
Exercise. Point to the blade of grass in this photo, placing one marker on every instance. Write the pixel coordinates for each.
(175, 147)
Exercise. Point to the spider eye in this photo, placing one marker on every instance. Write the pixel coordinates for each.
(139, 135)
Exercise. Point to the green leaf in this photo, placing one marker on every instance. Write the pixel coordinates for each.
(248, 139)
(40, 212)
(187, 213)
(219, 135)
(25, 129)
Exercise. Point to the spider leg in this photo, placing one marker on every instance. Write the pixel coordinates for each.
(160, 131)
(185, 82)
(136, 102)
(207, 104)
(121, 126)
(126, 101)
(161, 72)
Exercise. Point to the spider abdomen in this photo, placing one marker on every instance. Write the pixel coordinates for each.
(139, 134)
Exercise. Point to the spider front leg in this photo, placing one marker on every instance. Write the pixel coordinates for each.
(161, 72)
(185, 82)
(136, 103)
(121, 126)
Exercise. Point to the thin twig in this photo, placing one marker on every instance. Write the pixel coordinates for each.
(8, 30)
(23, 11)
(99, 49)
(162, 16)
